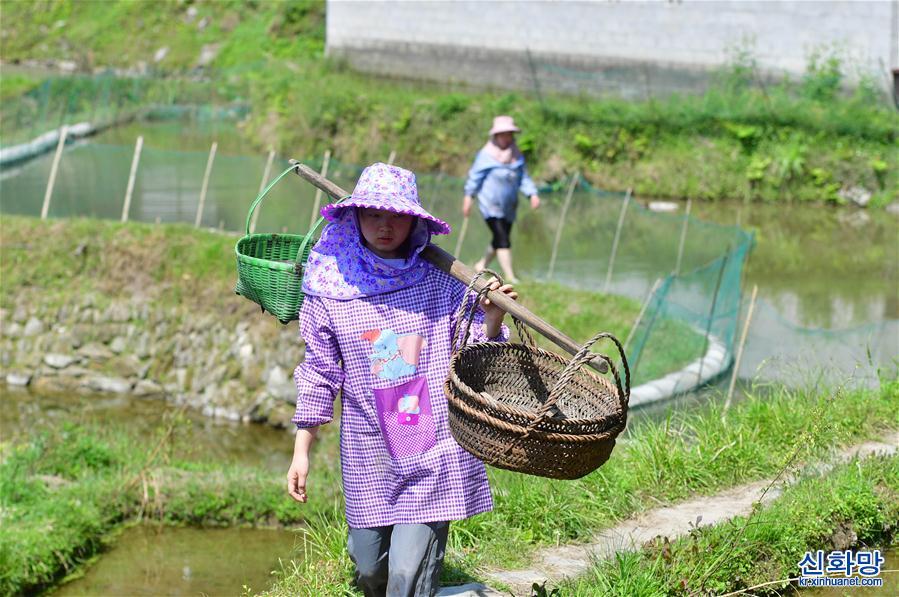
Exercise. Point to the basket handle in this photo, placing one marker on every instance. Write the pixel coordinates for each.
(264, 193)
(309, 235)
(469, 309)
(466, 308)
(584, 355)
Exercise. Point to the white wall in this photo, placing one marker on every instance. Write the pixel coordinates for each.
(690, 33)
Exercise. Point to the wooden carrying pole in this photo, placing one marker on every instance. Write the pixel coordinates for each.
(455, 268)
(205, 186)
(45, 209)
(135, 160)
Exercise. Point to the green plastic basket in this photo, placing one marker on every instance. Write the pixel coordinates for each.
(270, 266)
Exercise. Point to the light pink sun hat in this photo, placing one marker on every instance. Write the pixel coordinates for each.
(504, 124)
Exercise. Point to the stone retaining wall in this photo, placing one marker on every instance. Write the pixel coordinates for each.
(236, 370)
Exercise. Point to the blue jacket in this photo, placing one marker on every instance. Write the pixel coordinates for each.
(496, 185)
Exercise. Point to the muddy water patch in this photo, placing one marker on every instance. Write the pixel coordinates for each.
(155, 560)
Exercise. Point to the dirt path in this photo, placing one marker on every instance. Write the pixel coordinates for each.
(568, 561)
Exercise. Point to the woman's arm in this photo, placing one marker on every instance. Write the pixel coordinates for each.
(299, 466)
(318, 379)
(320, 376)
(527, 186)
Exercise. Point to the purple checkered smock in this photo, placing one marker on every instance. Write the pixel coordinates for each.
(390, 353)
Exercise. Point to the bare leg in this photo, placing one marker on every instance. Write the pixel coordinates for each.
(504, 256)
(486, 260)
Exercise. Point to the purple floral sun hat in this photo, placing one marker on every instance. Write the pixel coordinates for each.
(341, 267)
(389, 188)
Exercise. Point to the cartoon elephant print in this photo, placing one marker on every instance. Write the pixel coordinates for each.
(394, 356)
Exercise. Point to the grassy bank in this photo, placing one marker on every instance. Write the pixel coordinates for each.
(656, 463)
(855, 505)
(799, 140)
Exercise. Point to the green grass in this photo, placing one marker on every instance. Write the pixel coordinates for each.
(688, 454)
(794, 140)
(860, 497)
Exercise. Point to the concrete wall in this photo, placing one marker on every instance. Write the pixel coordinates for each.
(628, 47)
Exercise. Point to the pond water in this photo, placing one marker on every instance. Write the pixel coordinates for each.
(157, 560)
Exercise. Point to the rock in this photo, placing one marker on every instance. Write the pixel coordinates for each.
(115, 385)
(13, 330)
(67, 66)
(34, 327)
(844, 537)
(181, 379)
(75, 371)
(208, 54)
(281, 415)
(118, 313)
(17, 378)
(279, 384)
(246, 351)
(893, 208)
(191, 14)
(160, 54)
(50, 385)
(59, 361)
(20, 315)
(204, 22)
(663, 206)
(95, 352)
(127, 366)
(118, 345)
(142, 346)
(146, 388)
(858, 195)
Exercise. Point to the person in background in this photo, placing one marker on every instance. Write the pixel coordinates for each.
(495, 178)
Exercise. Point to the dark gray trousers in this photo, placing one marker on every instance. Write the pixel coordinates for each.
(402, 560)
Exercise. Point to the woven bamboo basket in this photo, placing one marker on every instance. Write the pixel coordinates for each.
(519, 407)
(270, 266)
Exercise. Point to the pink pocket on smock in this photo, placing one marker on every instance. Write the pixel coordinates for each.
(404, 413)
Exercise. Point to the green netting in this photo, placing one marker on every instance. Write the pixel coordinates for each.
(105, 99)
